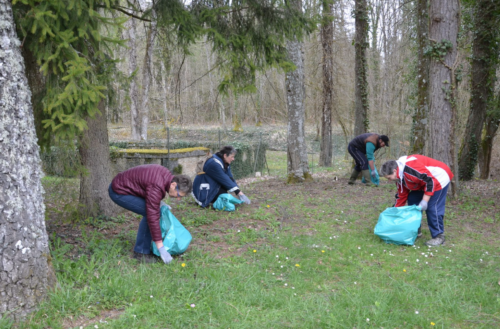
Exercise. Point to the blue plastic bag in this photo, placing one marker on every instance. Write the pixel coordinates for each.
(399, 225)
(375, 180)
(226, 202)
(176, 238)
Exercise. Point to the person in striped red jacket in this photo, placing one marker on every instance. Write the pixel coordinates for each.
(422, 181)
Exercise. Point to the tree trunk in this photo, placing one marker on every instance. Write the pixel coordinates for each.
(483, 75)
(133, 92)
(146, 78)
(443, 35)
(420, 115)
(26, 272)
(95, 158)
(491, 128)
(297, 165)
(325, 157)
(361, 122)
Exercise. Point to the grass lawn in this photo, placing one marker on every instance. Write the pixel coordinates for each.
(300, 256)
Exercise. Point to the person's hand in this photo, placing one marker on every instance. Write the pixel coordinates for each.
(164, 204)
(165, 256)
(423, 205)
(244, 198)
(374, 173)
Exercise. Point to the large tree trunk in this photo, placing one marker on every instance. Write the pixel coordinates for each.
(483, 76)
(133, 92)
(420, 115)
(491, 128)
(443, 35)
(297, 165)
(361, 122)
(95, 158)
(146, 78)
(325, 156)
(26, 273)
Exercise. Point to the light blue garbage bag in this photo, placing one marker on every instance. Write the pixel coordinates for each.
(176, 238)
(399, 225)
(226, 202)
(375, 180)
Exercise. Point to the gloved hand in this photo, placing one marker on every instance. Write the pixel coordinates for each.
(166, 205)
(165, 256)
(374, 173)
(244, 198)
(423, 205)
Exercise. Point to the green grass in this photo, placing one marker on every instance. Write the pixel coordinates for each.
(301, 257)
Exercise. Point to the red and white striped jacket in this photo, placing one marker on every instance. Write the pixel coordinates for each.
(420, 173)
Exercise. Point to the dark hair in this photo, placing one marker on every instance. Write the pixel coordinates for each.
(385, 139)
(388, 167)
(184, 183)
(227, 151)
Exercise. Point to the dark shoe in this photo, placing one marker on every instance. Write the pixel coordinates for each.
(419, 233)
(437, 241)
(354, 176)
(145, 258)
(367, 177)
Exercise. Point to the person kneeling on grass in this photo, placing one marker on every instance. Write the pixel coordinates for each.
(421, 181)
(216, 179)
(141, 190)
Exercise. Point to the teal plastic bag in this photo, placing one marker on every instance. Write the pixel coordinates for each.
(176, 238)
(399, 225)
(375, 180)
(226, 202)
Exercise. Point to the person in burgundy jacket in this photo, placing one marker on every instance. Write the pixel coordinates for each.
(141, 189)
(422, 181)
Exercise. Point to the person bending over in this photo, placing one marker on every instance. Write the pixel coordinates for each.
(141, 190)
(362, 149)
(422, 181)
(216, 178)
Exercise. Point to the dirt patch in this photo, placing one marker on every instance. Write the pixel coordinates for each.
(82, 321)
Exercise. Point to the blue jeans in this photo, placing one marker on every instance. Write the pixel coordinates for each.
(359, 158)
(435, 209)
(138, 205)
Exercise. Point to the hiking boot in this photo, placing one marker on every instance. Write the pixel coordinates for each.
(419, 233)
(438, 240)
(354, 176)
(145, 258)
(367, 177)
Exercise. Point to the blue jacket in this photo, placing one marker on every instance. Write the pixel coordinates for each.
(207, 185)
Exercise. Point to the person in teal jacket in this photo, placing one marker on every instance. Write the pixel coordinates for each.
(362, 148)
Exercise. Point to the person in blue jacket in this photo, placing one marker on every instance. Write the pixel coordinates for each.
(216, 178)
(362, 149)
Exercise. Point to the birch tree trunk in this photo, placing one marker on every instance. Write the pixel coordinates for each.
(297, 165)
(361, 123)
(325, 157)
(133, 92)
(420, 115)
(485, 52)
(443, 35)
(25, 270)
(146, 77)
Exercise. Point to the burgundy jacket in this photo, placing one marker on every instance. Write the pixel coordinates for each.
(150, 182)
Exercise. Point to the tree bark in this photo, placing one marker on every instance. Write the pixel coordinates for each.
(491, 128)
(25, 269)
(443, 35)
(146, 78)
(485, 52)
(325, 156)
(95, 158)
(297, 165)
(361, 122)
(133, 92)
(420, 115)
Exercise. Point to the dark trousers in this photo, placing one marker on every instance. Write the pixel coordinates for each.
(435, 209)
(359, 158)
(138, 205)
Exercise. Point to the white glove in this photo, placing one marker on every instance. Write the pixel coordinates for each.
(423, 205)
(244, 198)
(165, 256)
(164, 204)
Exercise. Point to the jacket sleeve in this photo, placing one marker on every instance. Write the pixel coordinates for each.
(215, 171)
(430, 182)
(402, 195)
(370, 148)
(153, 198)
